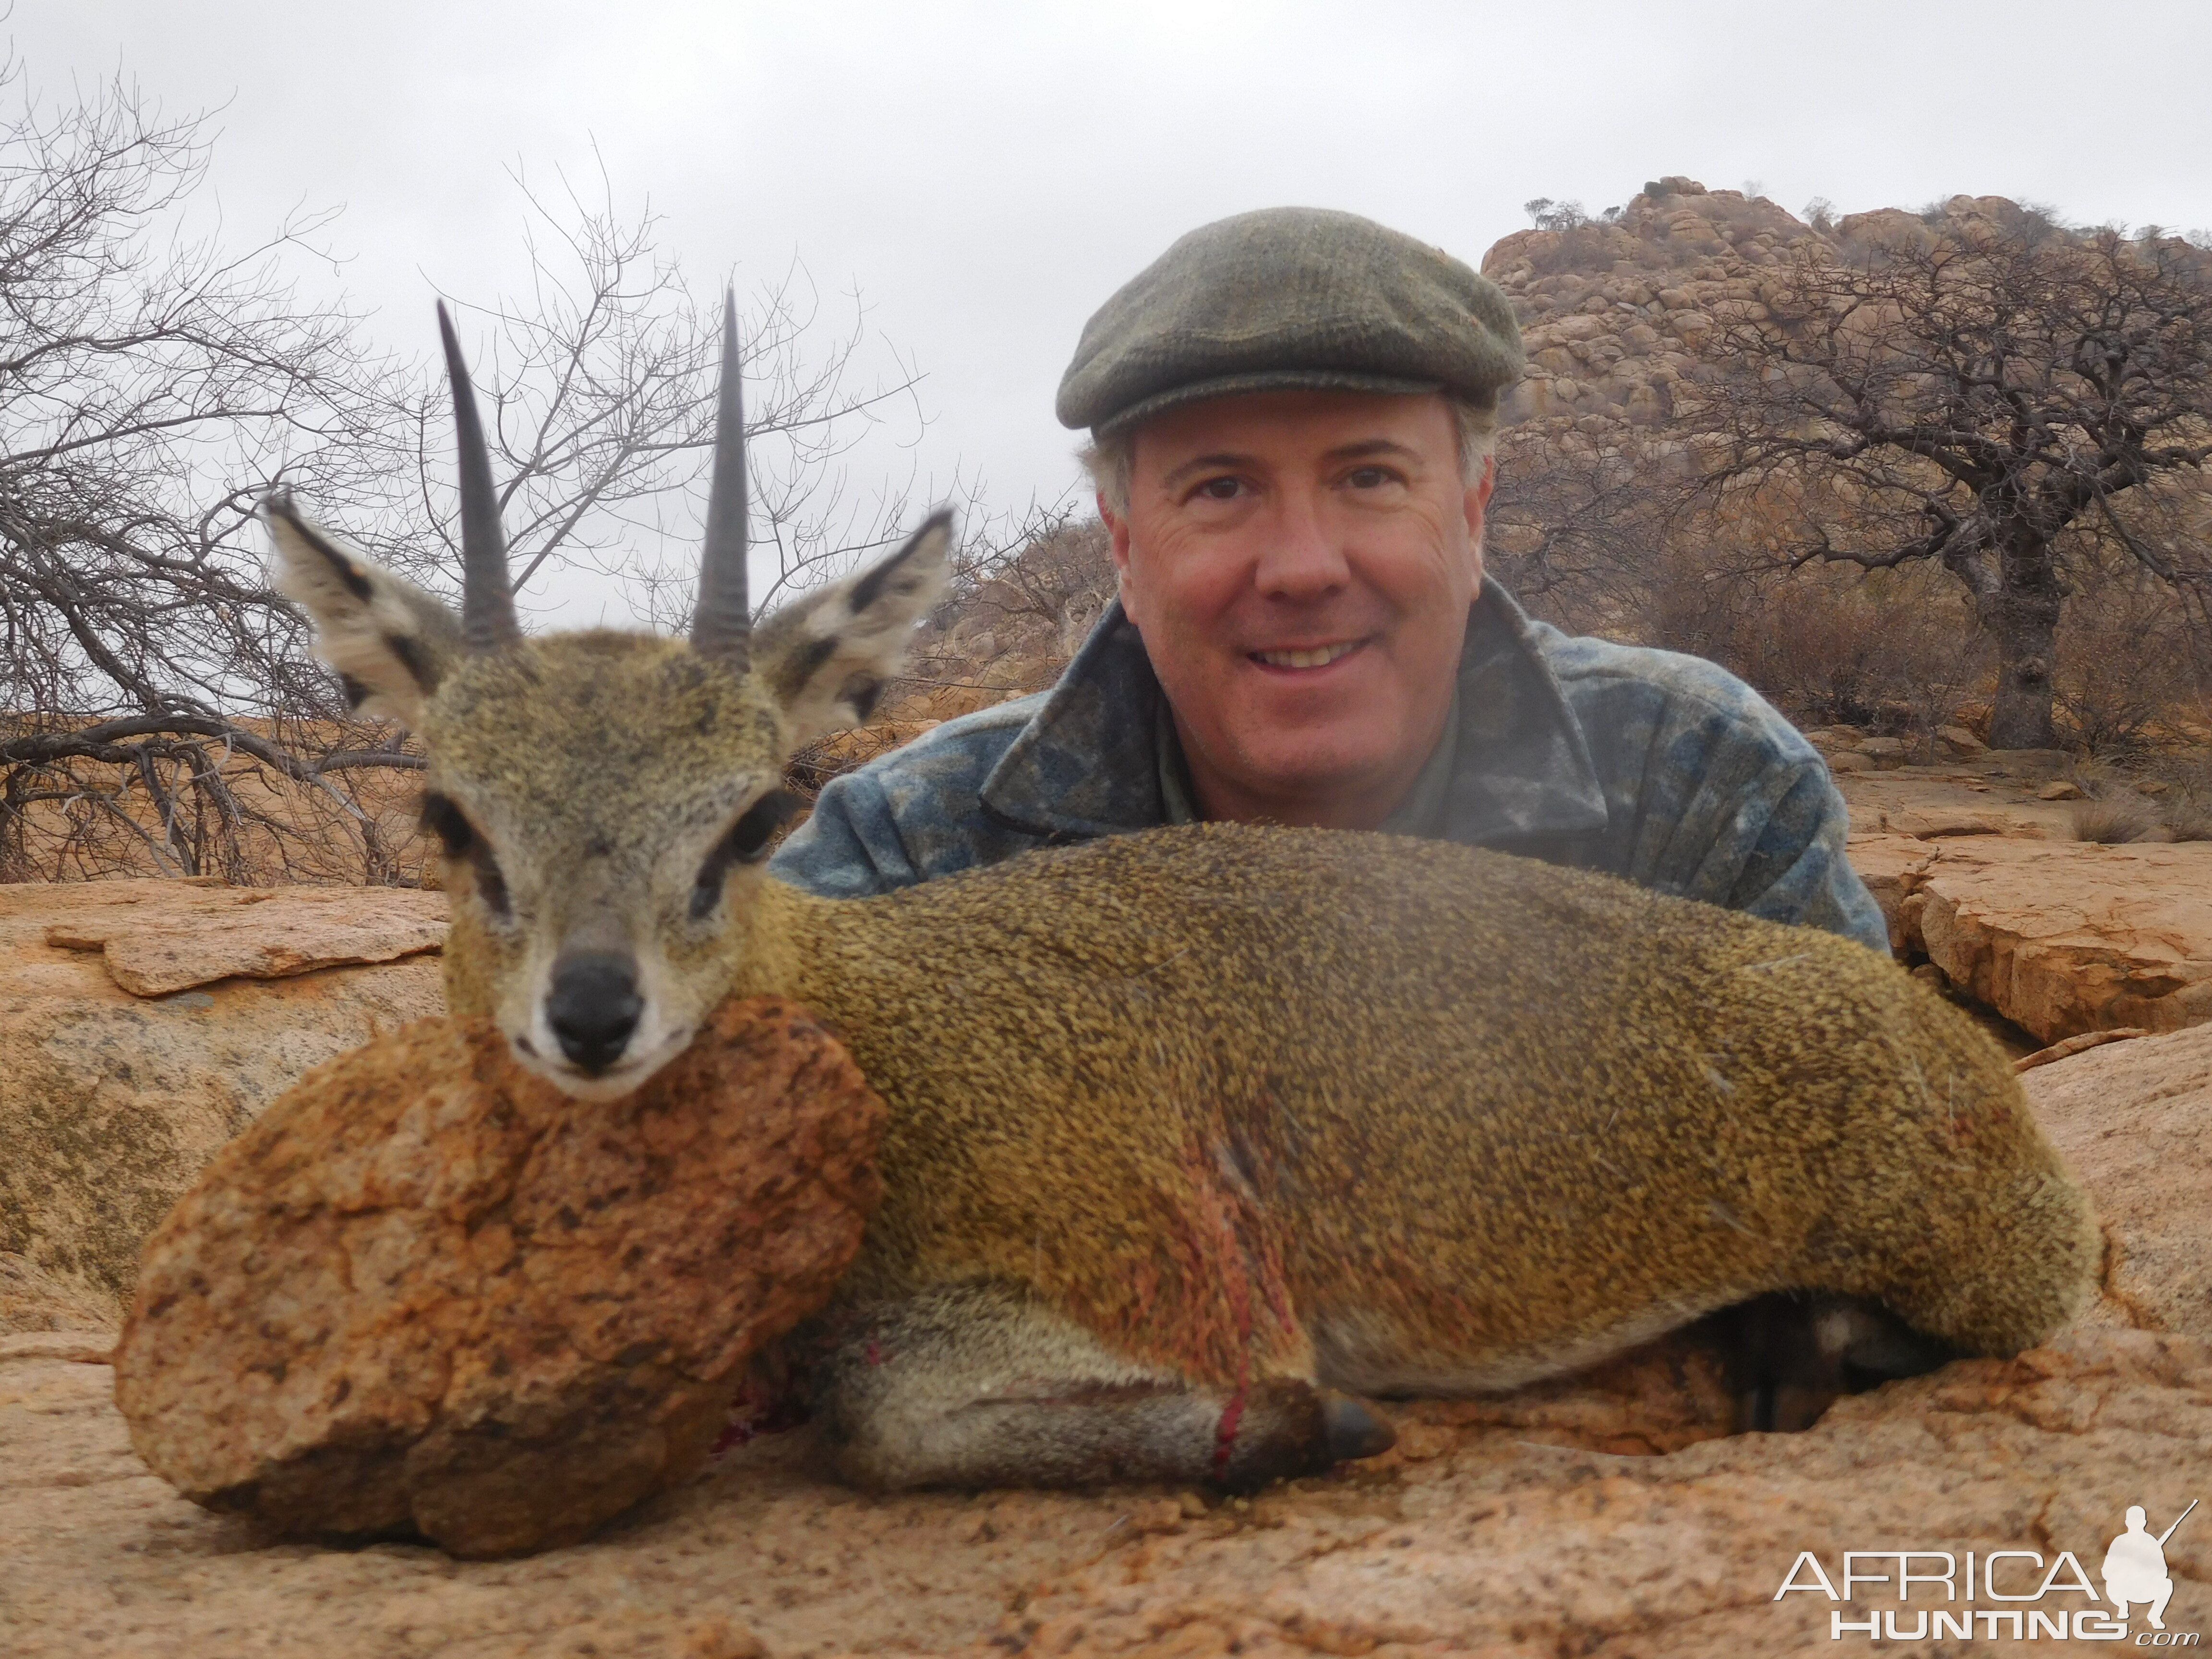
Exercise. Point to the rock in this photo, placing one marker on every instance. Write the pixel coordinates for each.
(2067, 1047)
(1916, 800)
(1961, 742)
(2060, 790)
(2131, 1119)
(2060, 938)
(1850, 760)
(1891, 866)
(1884, 751)
(2066, 937)
(429, 1291)
(266, 933)
(110, 1102)
(2030, 763)
(1941, 826)
(1473, 1537)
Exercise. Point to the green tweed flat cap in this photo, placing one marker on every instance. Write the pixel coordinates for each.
(1290, 298)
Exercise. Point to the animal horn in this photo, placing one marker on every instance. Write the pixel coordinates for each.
(723, 625)
(488, 621)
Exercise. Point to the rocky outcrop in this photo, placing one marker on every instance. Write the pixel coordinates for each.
(2135, 1119)
(112, 1101)
(430, 1292)
(249, 932)
(1614, 310)
(1535, 1525)
(2060, 938)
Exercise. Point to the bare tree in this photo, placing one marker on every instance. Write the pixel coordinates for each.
(1998, 395)
(158, 711)
(1573, 528)
(152, 383)
(599, 400)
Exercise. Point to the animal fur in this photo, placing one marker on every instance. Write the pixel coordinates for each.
(1196, 1131)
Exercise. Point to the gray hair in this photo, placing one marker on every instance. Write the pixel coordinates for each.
(1111, 462)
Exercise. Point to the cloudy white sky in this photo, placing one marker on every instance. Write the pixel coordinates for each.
(985, 174)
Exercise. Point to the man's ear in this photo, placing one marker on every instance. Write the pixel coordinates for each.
(1117, 533)
(827, 657)
(390, 642)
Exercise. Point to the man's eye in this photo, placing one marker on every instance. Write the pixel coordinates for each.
(1370, 478)
(1221, 489)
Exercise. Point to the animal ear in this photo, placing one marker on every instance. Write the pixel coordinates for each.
(390, 642)
(826, 658)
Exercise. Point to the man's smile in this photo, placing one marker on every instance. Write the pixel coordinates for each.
(1307, 657)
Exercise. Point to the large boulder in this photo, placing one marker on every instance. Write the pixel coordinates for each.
(143, 1023)
(428, 1292)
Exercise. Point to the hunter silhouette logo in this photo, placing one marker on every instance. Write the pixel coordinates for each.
(2135, 1566)
(2032, 1597)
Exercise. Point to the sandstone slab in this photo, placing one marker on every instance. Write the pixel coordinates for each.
(2135, 1120)
(1930, 803)
(427, 1292)
(110, 1102)
(153, 948)
(2071, 937)
(2060, 938)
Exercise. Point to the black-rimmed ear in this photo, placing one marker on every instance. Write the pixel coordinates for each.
(827, 657)
(390, 642)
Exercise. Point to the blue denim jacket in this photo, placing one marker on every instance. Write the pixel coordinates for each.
(1664, 768)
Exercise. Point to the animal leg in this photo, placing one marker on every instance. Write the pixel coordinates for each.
(1790, 1355)
(979, 1385)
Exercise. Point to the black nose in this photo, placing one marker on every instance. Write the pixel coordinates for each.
(594, 1007)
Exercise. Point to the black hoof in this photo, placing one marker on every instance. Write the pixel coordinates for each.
(1352, 1429)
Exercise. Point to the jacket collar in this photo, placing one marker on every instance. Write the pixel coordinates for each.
(1085, 764)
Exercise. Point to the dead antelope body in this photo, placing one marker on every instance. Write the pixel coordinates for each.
(1197, 1133)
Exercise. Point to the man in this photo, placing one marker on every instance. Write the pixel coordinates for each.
(1291, 416)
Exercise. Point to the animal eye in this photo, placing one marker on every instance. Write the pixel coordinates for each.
(747, 843)
(449, 824)
(750, 836)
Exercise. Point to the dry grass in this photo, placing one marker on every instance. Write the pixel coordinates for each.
(2112, 822)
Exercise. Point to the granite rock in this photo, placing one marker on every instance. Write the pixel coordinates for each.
(428, 1292)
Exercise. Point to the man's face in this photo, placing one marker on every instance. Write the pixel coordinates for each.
(1300, 564)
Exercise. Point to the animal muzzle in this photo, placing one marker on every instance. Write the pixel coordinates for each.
(593, 1007)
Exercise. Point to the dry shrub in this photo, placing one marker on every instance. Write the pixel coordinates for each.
(2111, 822)
(213, 810)
(1013, 619)
(2187, 823)
(1893, 651)
(204, 807)
(2129, 666)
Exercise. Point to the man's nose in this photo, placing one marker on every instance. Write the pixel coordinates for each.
(1303, 559)
(593, 1006)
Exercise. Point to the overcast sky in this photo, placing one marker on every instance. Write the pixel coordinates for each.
(986, 174)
